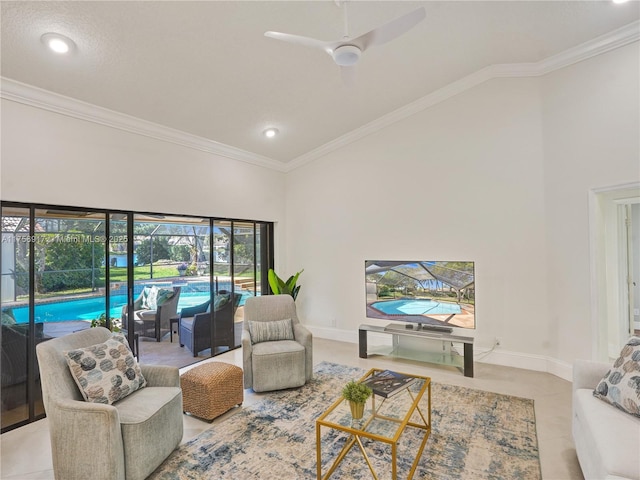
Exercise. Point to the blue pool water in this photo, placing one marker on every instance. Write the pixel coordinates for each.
(416, 307)
(91, 308)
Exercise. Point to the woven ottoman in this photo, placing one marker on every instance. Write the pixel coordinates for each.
(211, 389)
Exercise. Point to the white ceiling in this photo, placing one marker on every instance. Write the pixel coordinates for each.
(205, 68)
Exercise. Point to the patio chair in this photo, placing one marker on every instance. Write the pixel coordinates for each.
(195, 323)
(126, 440)
(275, 356)
(154, 322)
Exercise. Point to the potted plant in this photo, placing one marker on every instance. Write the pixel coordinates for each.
(101, 321)
(182, 269)
(280, 287)
(356, 394)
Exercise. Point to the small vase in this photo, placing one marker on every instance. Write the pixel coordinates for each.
(357, 410)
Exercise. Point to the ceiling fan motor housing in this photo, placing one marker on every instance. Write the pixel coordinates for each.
(346, 55)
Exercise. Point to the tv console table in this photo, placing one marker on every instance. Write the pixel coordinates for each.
(400, 333)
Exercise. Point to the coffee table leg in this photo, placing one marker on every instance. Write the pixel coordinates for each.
(345, 449)
(318, 453)
(394, 453)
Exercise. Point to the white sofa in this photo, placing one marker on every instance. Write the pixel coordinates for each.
(607, 439)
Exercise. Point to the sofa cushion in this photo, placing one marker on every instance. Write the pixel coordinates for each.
(621, 384)
(105, 372)
(271, 331)
(608, 438)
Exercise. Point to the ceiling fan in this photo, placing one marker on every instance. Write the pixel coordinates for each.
(347, 51)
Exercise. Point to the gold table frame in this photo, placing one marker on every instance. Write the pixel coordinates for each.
(336, 417)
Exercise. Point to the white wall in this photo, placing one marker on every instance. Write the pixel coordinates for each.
(55, 159)
(591, 141)
(500, 175)
(460, 181)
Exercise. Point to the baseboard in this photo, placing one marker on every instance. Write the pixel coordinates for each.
(539, 363)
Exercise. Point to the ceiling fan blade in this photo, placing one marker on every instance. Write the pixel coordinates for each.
(299, 40)
(390, 31)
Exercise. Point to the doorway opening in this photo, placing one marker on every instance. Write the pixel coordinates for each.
(615, 259)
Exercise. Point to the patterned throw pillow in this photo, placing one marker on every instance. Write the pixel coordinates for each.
(621, 385)
(106, 372)
(271, 331)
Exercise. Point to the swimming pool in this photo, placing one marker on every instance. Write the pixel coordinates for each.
(416, 307)
(92, 308)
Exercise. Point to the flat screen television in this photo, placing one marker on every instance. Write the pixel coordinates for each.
(434, 294)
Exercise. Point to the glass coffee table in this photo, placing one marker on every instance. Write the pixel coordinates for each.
(385, 420)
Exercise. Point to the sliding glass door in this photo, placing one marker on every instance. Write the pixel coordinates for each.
(65, 269)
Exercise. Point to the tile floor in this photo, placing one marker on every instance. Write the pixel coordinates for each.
(25, 452)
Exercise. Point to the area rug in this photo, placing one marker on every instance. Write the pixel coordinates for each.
(475, 435)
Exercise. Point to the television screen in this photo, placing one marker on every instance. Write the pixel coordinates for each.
(435, 293)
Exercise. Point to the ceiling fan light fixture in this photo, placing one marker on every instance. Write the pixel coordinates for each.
(346, 55)
(57, 43)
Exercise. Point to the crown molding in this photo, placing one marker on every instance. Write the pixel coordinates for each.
(36, 97)
(623, 36)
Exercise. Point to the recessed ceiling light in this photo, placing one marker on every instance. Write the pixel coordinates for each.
(620, 1)
(58, 43)
(270, 132)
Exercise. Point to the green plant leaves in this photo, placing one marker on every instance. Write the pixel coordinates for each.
(280, 287)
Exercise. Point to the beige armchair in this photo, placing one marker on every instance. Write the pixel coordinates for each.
(124, 441)
(285, 362)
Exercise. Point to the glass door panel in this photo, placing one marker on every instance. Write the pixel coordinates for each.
(226, 333)
(69, 270)
(15, 316)
(117, 267)
(244, 264)
(171, 258)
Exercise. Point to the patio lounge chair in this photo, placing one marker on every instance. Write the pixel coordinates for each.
(153, 322)
(195, 323)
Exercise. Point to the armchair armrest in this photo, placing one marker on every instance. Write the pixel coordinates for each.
(246, 340)
(302, 335)
(192, 311)
(587, 374)
(161, 375)
(247, 350)
(94, 424)
(201, 324)
(147, 314)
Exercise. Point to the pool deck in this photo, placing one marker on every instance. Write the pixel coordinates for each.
(60, 329)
